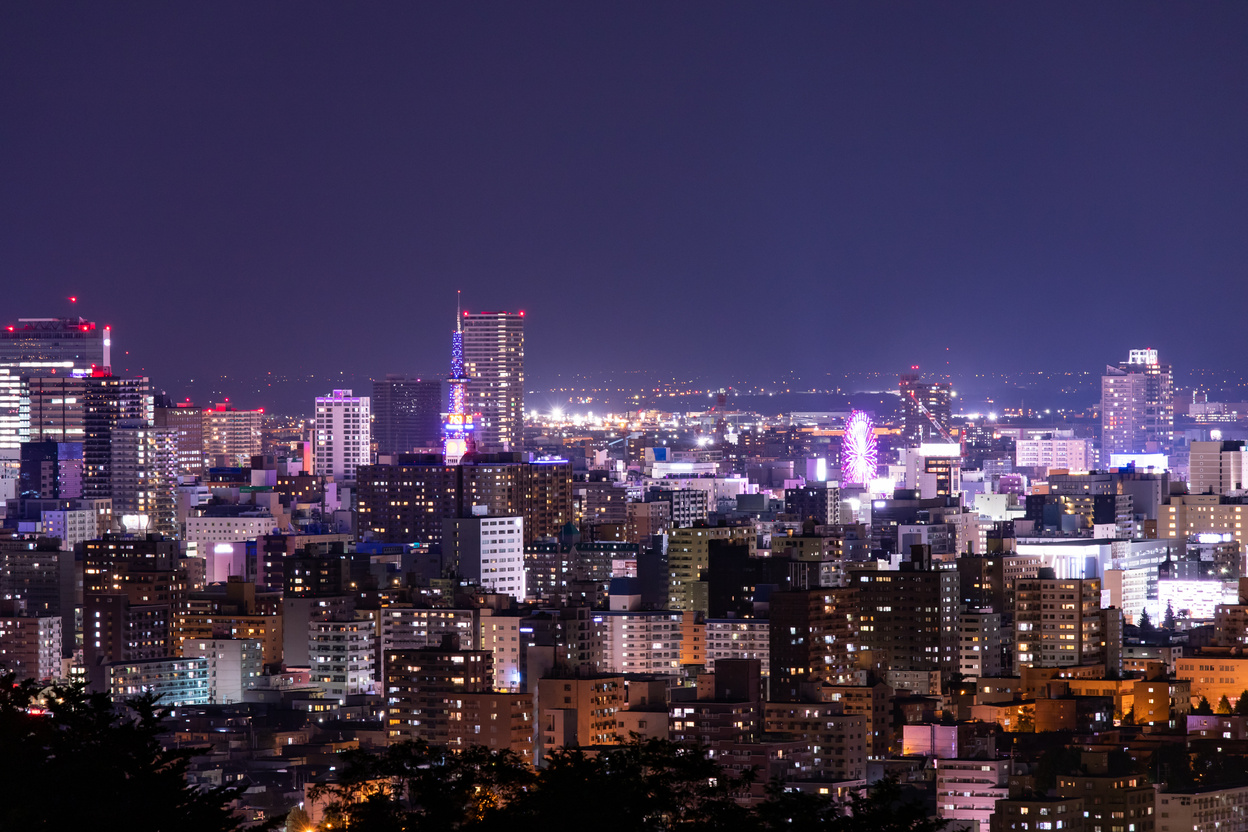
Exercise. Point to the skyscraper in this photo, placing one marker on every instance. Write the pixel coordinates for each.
(927, 410)
(406, 414)
(75, 340)
(75, 409)
(343, 435)
(45, 347)
(494, 365)
(1137, 406)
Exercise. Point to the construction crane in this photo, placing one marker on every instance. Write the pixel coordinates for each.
(931, 417)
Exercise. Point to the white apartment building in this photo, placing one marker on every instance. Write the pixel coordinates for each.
(967, 791)
(71, 526)
(1213, 810)
(500, 634)
(234, 665)
(343, 434)
(205, 531)
(342, 655)
(979, 644)
(1068, 453)
(489, 551)
(642, 642)
(410, 628)
(1218, 467)
(738, 638)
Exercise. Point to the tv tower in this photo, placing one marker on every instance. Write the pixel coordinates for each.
(457, 436)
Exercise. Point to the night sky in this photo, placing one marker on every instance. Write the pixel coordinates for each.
(694, 188)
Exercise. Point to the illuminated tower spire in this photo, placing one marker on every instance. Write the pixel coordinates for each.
(458, 427)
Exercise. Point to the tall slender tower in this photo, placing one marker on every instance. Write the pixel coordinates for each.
(457, 430)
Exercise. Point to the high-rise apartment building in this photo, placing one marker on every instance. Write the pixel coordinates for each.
(422, 689)
(343, 434)
(909, 618)
(187, 423)
(689, 554)
(1058, 623)
(488, 551)
(812, 638)
(820, 502)
(232, 436)
(1053, 452)
(86, 410)
(494, 365)
(1137, 406)
(406, 414)
(926, 408)
(144, 477)
(132, 591)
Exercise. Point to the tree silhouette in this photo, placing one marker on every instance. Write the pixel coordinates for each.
(1241, 704)
(1146, 624)
(640, 786)
(1168, 621)
(62, 738)
(1203, 708)
(1224, 705)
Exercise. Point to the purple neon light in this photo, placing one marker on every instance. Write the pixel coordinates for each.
(859, 454)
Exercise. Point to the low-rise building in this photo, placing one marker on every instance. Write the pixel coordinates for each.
(1204, 810)
(177, 681)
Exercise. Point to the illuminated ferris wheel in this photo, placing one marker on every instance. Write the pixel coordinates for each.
(858, 450)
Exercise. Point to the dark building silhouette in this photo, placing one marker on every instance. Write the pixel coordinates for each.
(406, 414)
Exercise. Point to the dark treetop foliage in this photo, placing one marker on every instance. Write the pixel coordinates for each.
(641, 786)
(76, 763)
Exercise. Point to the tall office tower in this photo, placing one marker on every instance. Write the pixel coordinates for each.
(74, 340)
(86, 409)
(1137, 406)
(494, 365)
(232, 436)
(187, 423)
(144, 476)
(45, 346)
(343, 434)
(927, 411)
(406, 414)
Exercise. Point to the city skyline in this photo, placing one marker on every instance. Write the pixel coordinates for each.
(1064, 168)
